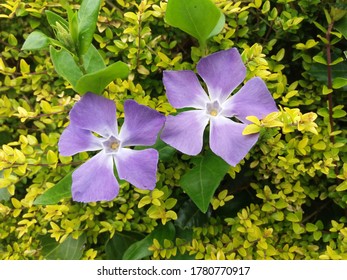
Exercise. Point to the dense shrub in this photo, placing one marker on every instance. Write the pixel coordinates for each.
(286, 200)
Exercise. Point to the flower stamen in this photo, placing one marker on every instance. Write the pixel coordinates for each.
(213, 108)
(111, 145)
(114, 146)
(213, 113)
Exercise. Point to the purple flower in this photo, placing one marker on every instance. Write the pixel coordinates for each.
(222, 72)
(95, 179)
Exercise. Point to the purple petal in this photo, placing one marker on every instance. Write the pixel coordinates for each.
(222, 72)
(227, 141)
(141, 125)
(138, 167)
(95, 113)
(74, 140)
(95, 180)
(183, 89)
(253, 99)
(185, 131)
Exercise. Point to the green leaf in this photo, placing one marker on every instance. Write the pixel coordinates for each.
(36, 41)
(339, 113)
(317, 235)
(319, 71)
(5, 137)
(73, 28)
(219, 26)
(337, 61)
(201, 182)
(326, 90)
(251, 129)
(342, 186)
(324, 112)
(165, 151)
(311, 227)
(339, 82)
(92, 60)
(139, 250)
(119, 243)
(320, 59)
(4, 193)
(51, 157)
(189, 216)
(12, 40)
(65, 65)
(53, 18)
(321, 146)
(87, 18)
(298, 229)
(320, 27)
(293, 217)
(278, 216)
(199, 18)
(59, 191)
(70, 249)
(181, 257)
(96, 82)
(341, 26)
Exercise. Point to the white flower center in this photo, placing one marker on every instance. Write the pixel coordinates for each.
(213, 108)
(111, 145)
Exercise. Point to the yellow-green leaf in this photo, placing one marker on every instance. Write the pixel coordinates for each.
(320, 59)
(251, 129)
(16, 203)
(52, 157)
(253, 119)
(144, 201)
(163, 57)
(292, 218)
(24, 67)
(342, 186)
(320, 146)
(280, 54)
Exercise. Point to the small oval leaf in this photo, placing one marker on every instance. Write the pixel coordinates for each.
(199, 18)
(36, 41)
(96, 82)
(65, 65)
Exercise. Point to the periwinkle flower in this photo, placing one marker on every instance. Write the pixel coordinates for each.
(93, 127)
(222, 73)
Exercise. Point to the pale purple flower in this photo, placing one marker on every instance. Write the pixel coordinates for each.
(95, 115)
(222, 73)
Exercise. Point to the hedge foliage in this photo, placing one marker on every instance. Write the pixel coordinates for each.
(286, 200)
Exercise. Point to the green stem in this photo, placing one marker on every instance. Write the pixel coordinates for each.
(203, 48)
(81, 64)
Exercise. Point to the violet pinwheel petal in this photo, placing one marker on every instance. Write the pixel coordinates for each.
(74, 140)
(95, 113)
(222, 72)
(185, 131)
(183, 89)
(227, 141)
(138, 167)
(94, 180)
(253, 99)
(141, 125)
